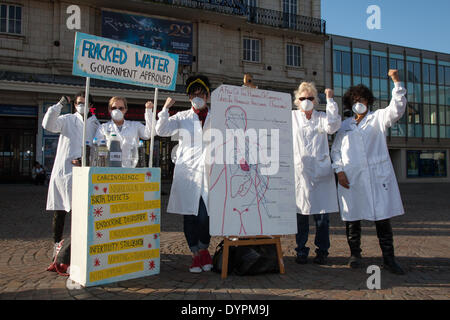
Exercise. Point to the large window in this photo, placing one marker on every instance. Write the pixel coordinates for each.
(426, 163)
(252, 50)
(293, 55)
(290, 13)
(342, 70)
(11, 19)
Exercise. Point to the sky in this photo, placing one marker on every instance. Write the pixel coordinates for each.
(421, 24)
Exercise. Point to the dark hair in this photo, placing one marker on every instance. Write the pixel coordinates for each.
(358, 91)
(195, 83)
(82, 94)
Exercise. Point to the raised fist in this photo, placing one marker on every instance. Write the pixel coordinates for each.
(329, 93)
(169, 103)
(393, 73)
(64, 101)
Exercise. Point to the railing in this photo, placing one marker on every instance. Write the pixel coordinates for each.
(256, 15)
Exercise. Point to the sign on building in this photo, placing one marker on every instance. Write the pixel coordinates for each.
(115, 224)
(165, 35)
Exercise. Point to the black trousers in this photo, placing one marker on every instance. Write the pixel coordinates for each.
(384, 234)
(59, 217)
(196, 229)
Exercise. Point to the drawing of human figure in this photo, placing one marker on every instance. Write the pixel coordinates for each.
(245, 187)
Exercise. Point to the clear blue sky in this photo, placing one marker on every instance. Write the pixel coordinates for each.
(422, 24)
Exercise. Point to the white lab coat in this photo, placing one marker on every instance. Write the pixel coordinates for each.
(361, 152)
(70, 127)
(189, 177)
(131, 130)
(315, 184)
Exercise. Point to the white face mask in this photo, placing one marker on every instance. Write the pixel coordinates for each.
(359, 108)
(80, 108)
(198, 103)
(116, 115)
(306, 105)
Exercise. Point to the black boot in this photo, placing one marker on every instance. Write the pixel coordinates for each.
(353, 231)
(386, 239)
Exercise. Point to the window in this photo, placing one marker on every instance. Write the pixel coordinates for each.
(356, 64)
(337, 61)
(426, 163)
(290, 12)
(375, 66)
(252, 50)
(11, 19)
(346, 63)
(294, 55)
(365, 65)
(447, 76)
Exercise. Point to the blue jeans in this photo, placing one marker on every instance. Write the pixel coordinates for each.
(322, 240)
(196, 229)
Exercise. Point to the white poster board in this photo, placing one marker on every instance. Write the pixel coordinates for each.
(115, 224)
(251, 174)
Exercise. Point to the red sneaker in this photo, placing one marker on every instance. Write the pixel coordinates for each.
(196, 266)
(205, 260)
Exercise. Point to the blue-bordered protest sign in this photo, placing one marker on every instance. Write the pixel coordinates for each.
(112, 60)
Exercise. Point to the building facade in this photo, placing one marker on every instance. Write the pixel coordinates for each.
(419, 143)
(281, 43)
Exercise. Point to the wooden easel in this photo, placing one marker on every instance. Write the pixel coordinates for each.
(252, 240)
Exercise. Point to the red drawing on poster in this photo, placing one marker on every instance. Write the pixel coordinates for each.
(151, 265)
(98, 212)
(99, 234)
(242, 182)
(97, 262)
(105, 189)
(152, 216)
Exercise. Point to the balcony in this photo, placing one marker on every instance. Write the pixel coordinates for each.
(271, 18)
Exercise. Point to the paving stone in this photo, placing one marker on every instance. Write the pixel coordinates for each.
(421, 238)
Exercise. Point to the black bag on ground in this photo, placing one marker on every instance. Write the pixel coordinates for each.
(217, 258)
(248, 260)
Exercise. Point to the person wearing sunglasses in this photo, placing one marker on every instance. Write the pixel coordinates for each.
(315, 185)
(129, 132)
(368, 188)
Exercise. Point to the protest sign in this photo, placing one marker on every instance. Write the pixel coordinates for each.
(115, 224)
(112, 60)
(251, 180)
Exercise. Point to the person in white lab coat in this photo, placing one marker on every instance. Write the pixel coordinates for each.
(315, 184)
(129, 132)
(189, 191)
(368, 189)
(70, 127)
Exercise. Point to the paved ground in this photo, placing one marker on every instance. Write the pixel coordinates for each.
(422, 243)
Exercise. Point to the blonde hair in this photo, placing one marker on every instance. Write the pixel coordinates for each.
(310, 87)
(114, 99)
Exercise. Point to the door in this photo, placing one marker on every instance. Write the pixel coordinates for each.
(17, 149)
